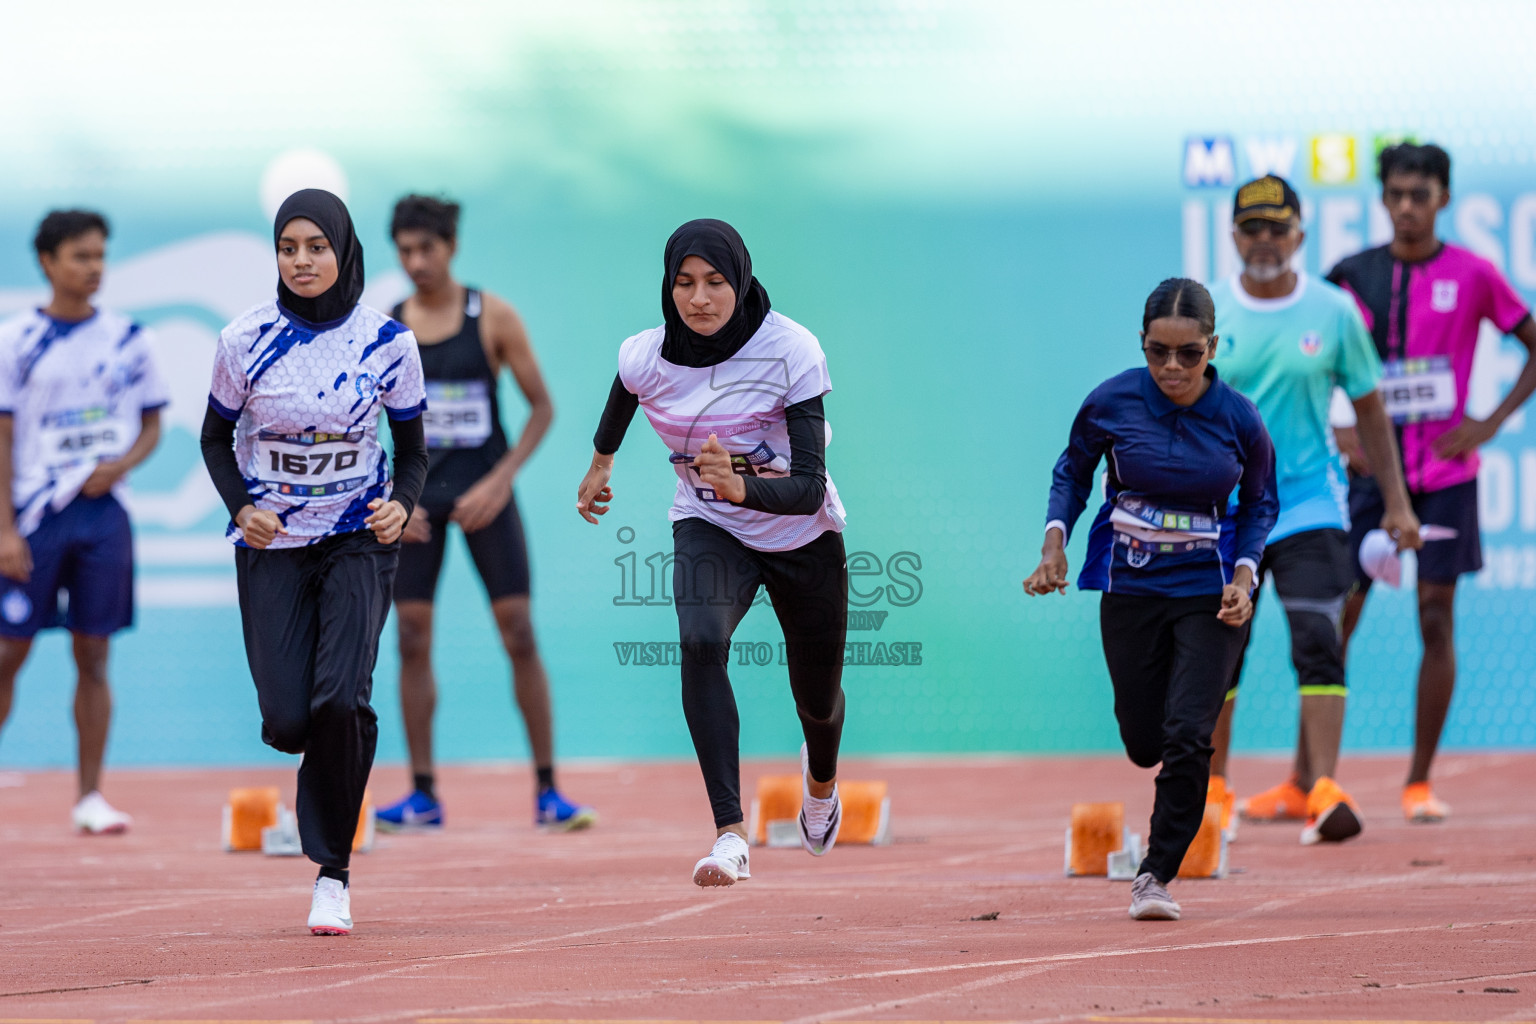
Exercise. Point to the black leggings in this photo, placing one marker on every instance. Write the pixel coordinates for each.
(312, 618)
(714, 581)
(1170, 660)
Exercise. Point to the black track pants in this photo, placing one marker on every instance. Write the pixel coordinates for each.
(1170, 660)
(715, 579)
(312, 619)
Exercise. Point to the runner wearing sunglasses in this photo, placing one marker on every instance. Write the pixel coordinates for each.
(1174, 559)
(1287, 342)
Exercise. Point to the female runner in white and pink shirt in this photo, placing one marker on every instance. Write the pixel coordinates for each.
(735, 392)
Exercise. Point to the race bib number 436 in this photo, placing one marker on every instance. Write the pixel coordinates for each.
(1415, 390)
(310, 465)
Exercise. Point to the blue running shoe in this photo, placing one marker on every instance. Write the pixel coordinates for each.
(558, 814)
(417, 811)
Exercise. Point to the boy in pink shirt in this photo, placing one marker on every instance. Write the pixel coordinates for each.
(1424, 302)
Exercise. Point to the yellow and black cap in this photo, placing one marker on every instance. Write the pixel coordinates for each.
(1268, 198)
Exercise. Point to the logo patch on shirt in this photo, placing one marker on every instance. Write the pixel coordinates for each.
(1442, 296)
(366, 384)
(16, 607)
(1311, 343)
(1137, 558)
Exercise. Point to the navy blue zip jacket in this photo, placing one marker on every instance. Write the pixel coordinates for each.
(1168, 527)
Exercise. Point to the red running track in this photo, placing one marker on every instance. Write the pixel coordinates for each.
(491, 921)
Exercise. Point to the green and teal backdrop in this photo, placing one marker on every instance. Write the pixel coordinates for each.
(966, 201)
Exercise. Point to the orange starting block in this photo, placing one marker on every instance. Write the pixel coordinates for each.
(247, 813)
(1207, 855)
(256, 819)
(775, 809)
(1100, 845)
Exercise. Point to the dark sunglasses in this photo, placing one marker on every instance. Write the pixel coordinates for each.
(1256, 227)
(1189, 356)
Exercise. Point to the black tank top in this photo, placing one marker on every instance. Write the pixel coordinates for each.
(463, 417)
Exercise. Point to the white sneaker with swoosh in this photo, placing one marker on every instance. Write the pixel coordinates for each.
(330, 910)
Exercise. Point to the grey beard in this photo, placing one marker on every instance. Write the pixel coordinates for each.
(1263, 273)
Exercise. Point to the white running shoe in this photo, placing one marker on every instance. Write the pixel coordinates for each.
(1150, 900)
(94, 816)
(330, 911)
(725, 864)
(820, 817)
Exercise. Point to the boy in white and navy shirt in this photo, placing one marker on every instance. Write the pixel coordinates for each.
(80, 402)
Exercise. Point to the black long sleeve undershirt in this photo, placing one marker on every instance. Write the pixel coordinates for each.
(799, 494)
(218, 444)
(616, 416)
(803, 492)
(410, 463)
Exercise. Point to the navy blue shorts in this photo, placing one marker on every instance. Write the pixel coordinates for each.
(85, 552)
(1440, 561)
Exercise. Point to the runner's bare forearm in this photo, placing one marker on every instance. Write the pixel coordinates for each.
(7, 508)
(516, 354)
(1373, 428)
(1525, 384)
(528, 439)
(145, 443)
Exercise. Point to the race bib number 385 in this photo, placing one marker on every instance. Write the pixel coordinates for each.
(1415, 390)
(310, 465)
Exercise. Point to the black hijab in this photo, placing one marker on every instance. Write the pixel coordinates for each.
(330, 213)
(716, 243)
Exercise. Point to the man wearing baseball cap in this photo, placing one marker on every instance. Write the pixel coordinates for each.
(1287, 341)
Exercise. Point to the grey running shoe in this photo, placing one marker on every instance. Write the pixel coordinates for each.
(820, 819)
(1150, 901)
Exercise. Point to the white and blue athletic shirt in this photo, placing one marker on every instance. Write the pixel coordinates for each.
(76, 394)
(1167, 527)
(741, 401)
(306, 399)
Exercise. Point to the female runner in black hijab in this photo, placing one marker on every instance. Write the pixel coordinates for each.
(291, 441)
(735, 392)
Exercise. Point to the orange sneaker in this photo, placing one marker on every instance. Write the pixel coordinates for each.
(1218, 793)
(1420, 805)
(1286, 802)
(1332, 816)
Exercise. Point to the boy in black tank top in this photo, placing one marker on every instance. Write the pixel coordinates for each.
(466, 337)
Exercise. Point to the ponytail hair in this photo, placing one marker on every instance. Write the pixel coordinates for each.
(1179, 296)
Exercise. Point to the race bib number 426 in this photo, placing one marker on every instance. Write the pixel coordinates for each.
(70, 438)
(310, 465)
(1415, 390)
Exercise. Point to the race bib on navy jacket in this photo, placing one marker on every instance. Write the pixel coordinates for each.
(76, 393)
(1167, 526)
(741, 401)
(306, 398)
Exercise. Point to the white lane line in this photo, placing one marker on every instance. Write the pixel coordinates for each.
(1030, 964)
(918, 997)
(413, 964)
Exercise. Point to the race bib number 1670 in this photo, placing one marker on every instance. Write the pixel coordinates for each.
(310, 465)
